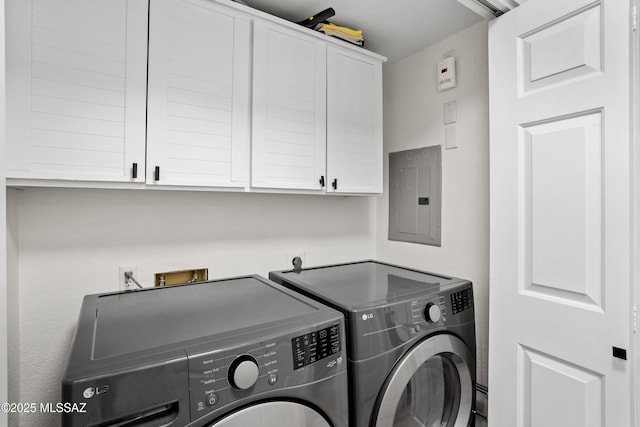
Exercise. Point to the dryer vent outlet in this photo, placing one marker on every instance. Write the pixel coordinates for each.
(170, 278)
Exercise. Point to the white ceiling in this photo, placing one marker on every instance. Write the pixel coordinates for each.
(395, 29)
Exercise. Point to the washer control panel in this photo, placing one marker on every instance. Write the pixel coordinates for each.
(314, 346)
(228, 374)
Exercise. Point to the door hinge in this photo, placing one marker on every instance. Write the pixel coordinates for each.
(634, 17)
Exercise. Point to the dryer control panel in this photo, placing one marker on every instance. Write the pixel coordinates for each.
(461, 300)
(442, 309)
(230, 374)
(385, 327)
(430, 310)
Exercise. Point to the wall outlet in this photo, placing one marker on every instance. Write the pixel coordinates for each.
(123, 283)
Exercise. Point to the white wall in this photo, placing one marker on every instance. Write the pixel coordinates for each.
(71, 243)
(412, 119)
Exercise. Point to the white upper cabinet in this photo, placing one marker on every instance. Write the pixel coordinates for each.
(354, 122)
(187, 93)
(76, 89)
(198, 101)
(289, 109)
(317, 114)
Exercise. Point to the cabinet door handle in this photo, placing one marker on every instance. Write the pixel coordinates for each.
(322, 183)
(134, 170)
(334, 184)
(156, 175)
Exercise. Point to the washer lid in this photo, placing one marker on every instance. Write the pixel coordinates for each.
(354, 285)
(140, 320)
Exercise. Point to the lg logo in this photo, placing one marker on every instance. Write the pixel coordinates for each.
(88, 393)
(367, 316)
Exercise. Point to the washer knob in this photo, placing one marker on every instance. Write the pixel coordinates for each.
(243, 372)
(432, 313)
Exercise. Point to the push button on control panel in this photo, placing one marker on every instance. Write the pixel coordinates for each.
(272, 379)
(212, 399)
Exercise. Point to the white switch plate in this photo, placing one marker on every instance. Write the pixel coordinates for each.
(450, 140)
(450, 114)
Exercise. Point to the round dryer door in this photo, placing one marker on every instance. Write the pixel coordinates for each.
(431, 386)
(274, 414)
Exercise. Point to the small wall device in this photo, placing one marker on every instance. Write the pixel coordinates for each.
(447, 73)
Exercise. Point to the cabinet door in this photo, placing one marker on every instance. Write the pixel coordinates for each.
(76, 89)
(198, 106)
(354, 122)
(289, 109)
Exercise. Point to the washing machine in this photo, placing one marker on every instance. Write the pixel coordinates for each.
(410, 341)
(228, 353)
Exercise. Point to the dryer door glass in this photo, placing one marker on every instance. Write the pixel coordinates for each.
(432, 396)
(430, 387)
(274, 414)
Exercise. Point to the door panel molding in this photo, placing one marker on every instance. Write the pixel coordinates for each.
(556, 156)
(561, 51)
(582, 408)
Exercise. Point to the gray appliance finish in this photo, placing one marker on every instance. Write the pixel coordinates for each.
(227, 353)
(410, 341)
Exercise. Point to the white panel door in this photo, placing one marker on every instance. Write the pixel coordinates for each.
(288, 148)
(561, 215)
(76, 89)
(354, 122)
(198, 104)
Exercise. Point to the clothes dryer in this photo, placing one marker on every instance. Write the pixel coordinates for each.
(229, 353)
(410, 341)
